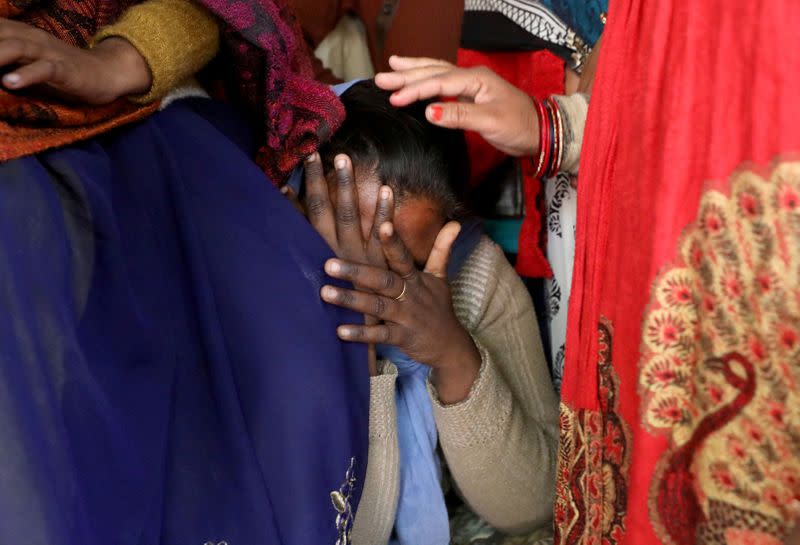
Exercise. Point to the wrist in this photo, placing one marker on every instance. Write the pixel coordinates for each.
(532, 145)
(457, 372)
(127, 70)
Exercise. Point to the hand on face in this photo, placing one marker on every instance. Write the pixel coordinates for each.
(403, 306)
(488, 104)
(340, 225)
(414, 309)
(112, 69)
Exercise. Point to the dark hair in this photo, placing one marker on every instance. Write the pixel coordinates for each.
(404, 150)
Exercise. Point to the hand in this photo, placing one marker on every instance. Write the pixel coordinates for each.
(112, 69)
(416, 309)
(502, 114)
(340, 226)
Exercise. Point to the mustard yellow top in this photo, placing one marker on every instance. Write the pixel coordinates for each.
(176, 38)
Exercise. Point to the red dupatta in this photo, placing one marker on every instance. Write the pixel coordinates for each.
(681, 411)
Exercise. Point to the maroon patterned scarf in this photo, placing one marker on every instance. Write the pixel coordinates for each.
(269, 72)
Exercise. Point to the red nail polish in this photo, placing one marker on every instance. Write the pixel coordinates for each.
(436, 113)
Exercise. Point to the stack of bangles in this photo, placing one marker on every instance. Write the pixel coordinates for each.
(551, 137)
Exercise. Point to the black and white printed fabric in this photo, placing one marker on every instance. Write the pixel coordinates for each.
(561, 202)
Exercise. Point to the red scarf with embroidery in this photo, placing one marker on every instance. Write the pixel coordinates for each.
(680, 420)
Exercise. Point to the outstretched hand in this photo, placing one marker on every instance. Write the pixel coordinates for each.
(112, 69)
(488, 104)
(414, 310)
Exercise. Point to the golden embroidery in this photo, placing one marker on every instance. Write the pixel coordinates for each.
(720, 366)
(593, 460)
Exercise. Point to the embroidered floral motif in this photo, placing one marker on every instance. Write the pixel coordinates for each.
(593, 460)
(720, 366)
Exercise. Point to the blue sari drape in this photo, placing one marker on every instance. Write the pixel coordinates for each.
(168, 373)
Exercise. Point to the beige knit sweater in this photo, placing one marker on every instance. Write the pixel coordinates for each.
(500, 443)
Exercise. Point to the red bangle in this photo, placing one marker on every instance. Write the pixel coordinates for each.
(559, 131)
(544, 137)
(552, 139)
(540, 163)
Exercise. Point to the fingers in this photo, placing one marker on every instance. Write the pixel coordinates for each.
(397, 62)
(348, 220)
(397, 80)
(384, 211)
(457, 82)
(317, 201)
(397, 255)
(376, 279)
(21, 44)
(440, 255)
(12, 51)
(38, 72)
(462, 115)
(374, 334)
(358, 301)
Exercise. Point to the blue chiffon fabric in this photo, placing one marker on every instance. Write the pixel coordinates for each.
(168, 372)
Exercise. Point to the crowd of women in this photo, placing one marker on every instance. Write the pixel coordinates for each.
(245, 303)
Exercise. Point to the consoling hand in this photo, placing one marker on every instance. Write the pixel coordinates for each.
(112, 69)
(415, 309)
(488, 104)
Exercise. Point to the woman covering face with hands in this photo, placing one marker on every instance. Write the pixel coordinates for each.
(403, 306)
(458, 357)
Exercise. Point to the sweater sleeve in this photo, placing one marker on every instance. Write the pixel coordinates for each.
(501, 442)
(176, 38)
(375, 516)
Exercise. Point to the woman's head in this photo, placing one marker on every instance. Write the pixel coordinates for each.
(426, 166)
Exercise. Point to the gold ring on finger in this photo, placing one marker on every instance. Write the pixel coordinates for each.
(402, 296)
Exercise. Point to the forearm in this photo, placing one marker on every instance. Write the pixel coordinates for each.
(454, 378)
(502, 461)
(501, 441)
(175, 38)
(132, 75)
(375, 517)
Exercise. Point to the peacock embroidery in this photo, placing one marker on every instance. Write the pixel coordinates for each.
(720, 365)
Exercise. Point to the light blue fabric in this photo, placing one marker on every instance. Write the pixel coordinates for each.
(421, 517)
(341, 88)
(421, 513)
